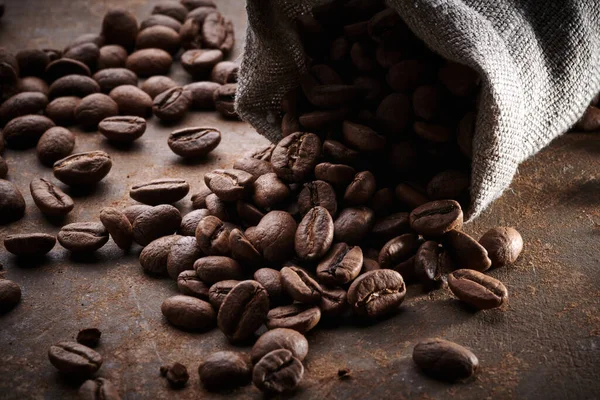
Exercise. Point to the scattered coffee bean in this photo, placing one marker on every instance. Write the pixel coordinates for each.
(274, 236)
(118, 226)
(154, 257)
(243, 311)
(87, 53)
(202, 94)
(62, 110)
(200, 63)
(334, 302)
(225, 370)
(56, 143)
(295, 156)
(190, 284)
(123, 129)
(160, 191)
(317, 193)
(220, 290)
(10, 295)
(300, 286)
(160, 37)
(73, 85)
(377, 293)
(149, 62)
(445, 360)
(65, 67)
(353, 224)
(32, 62)
(83, 169)
(157, 84)
(49, 198)
(220, 209)
(110, 78)
(83, 237)
(212, 236)
(466, 252)
(224, 99)
(270, 279)
(98, 389)
(314, 235)
(132, 212)
(33, 84)
(156, 222)
(269, 190)
(120, 27)
(341, 265)
(278, 372)
(225, 72)
(112, 56)
(436, 218)
(12, 203)
(172, 9)
(429, 263)
(299, 317)
(476, 289)
(189, 313)
(132, 101)
(194, 142)
(160, 20)
(280, 338)
(184, 252)
(229, 184)
(398, 249)
(172, 104)
(503, 244)
(74, 359)
(94, 108)
(254, 167)
(89, 337)
(25, 131)
(339, 175)
(190, 221)
(22, 104)
(243, 250)
(214, 269)
(29, 244)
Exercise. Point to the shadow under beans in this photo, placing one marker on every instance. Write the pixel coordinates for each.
(28, 262)
(207, 159)
(125, 147)
(86, 190)
(583, 193)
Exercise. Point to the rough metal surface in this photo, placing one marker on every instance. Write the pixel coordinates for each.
(544, 345)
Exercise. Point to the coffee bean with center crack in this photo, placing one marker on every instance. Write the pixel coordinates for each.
(296, 155)
(317, 193)
(29, 244)
(172, 104)
(190, 284)
(98, 389)
(243, 311)
(200, 62)
(160, 191)
(278, 372)
(229, 184)
(220, 290)
(224, 99)
(436, 218)
(194, 142)
(118, 226)
(477, 290)
(280, 338)
(74, 359)
(314, 235)
(466, 252)
(377, 293)
(83, 169)
(49, 198)
(124, 129)
(212, 236)
(189, 313)
(300, 286)
(83, 237)
(341, 265)
(429, 263)
(243, 250)
(398, 249)
(299, 317)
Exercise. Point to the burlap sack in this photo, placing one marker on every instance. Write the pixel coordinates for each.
(539, 62)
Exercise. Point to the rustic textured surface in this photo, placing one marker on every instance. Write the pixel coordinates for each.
(545, 344)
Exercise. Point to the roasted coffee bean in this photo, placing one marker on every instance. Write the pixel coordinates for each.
(219, 208)
(278, 372)
(112, 56)
(158, 84)
(73, 85)
(160, 191)
(94, 108)
(220, 290)
(449, 184)
(371, 265)
(189, 313)
(229, 184)
(280, 338)
(32, 62)
(118, 226)
(24, 132)
(110, 78)
(89, 337)
(10, 295)
(243, 250)
(213, 30)
(159, 37)
(184, 252)
(436, 218)
(120, 27)
(339, 175)
(334, 302)
(361, 189)
(339, 153)
(189, 284)
(229, 41)
(172, 9)
(156, 222)
(428, 101)
(12, 203)
(83, 237)
(87, 53)
(160, 20)
(391, 226)
(275, 236)
(295, 156)
(62, 110)
(225, 370)
(94, 38)
(190, 221)
(353, 224)
(253, 166)
(132, 101)
(176, 374)
(172, 104)
(248, 213)
(410, 196)
(83, 169)
(466, 252)
(190, 32)
(212, 236)
(3, 167)
(341, 265)
(269, 190)
(154, 257)
(200, 63)
(202, 94)
(56, 143)
(477, 290)
(433, 132)
(398, 249)
(22, 104)
(300, 286)
(314, 235)
(243, 311)
(29, 244)
(33, 84)
(377, 293)
(299, 317)
(445, 360)
(459, 79)
(194, 142)
(97, 389)
(132, 212)
(429, 263)
(64, 67)
(362, 137)
(74, 359)
(503, 244)
(270, 279)
(124, 129)
(49, 198)
(225, 72)
(224, 99)
(148, 62)
(394, 114)
(214, 269)
(317, 193)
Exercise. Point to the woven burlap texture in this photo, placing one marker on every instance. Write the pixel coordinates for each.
(539, 62)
